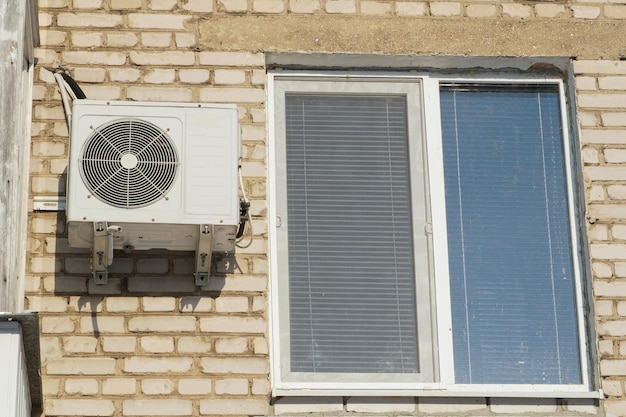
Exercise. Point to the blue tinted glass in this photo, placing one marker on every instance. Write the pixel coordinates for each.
(511, 263)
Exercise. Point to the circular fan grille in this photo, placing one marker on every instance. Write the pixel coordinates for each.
(129, 163)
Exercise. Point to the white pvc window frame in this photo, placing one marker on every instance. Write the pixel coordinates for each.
(443, 383)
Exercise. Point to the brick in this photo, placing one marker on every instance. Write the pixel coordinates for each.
(585, 83)
(94, 58)
(156, 39)
(260, 387)
(590, 155)
(216, 365)
(258, 77)
(612, 328)
(549, 10)
(613, 367)
(231, 304)
(231, 386)
(140, 364)
(231, 345)
(119, 386)
(119, 344)
(159, 303)
(162, 4)
(161, 285)
(48, 304)
(585, 12)
(83, 408)
(233, 5)
(231, 95)
(87, 39)
(124, 75)
(259, 304)
(51, 4)
(614, 119)
(194, 76)
(619, 232)
(520, 11)
(610, 101)
(51, 386)
(52, 37)
(616, 192)
(61, 284)
(612, 83)
(157, 344)
(122, 304)
(102, 324)
(612, 387)
(157, 21)
(231, 59)
(185, 40)
(605, 347)
(194, 386)
(194, 344)
(230, 76)
(294, 405)
(82, 304)
(57, 325)
(609, 289)
(49, 112)
(123, 39)
(445, 9)
(375, 8)
(80, 344)
(260, 346)
(89, 20)
(450, 405)
(157, 386)
(601, 270)
(48, 185)
(159, 94)
(233, 324)
(184, 266)
(234, 407)
(157, 407)
(81, 366)
(44, 265)
(608, 251)
(304, 6)
(125, 4)
(202, 6)
(523, 405)
(81, 386)
(169, 58)
(615, 11)
(253, 133)
(606, 136)
(268, 6)
(196, 304)
(605, 173)
(113, 287)
(614, 407)
(162, 324)
(480, 10)
(48, 149)
(87, 4)
(605, 308)
(380, 404)
(341, 6)
(411, 8)
(620, 269)
(599, 67)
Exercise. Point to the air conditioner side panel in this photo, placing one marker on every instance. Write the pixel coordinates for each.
(211, 155)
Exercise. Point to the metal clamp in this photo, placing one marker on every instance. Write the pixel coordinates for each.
(203, 254)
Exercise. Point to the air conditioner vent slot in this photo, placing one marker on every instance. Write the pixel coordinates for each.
(129, 163)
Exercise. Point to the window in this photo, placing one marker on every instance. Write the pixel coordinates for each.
(424, 236)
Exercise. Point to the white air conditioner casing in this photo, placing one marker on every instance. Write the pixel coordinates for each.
(159, 171)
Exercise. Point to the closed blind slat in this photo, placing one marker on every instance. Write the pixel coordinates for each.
(351, 273)
(511, 266)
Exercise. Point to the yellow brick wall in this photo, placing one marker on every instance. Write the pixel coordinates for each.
(151, 342)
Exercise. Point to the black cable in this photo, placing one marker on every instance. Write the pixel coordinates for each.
(74, 86)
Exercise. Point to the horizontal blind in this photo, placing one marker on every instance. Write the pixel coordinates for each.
(351, 279)
(510, 256)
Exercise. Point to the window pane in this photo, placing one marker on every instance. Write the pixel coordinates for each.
(511, 264)
(351, 271)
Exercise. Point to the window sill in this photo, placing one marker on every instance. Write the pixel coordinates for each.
(488, 391)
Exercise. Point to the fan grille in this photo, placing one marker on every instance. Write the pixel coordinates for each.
(129, 163)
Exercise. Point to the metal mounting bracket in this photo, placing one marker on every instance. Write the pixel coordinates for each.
(203, 254)
(102, 252)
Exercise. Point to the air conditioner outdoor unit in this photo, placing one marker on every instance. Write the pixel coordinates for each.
(153, 175)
